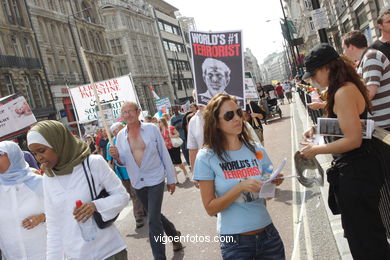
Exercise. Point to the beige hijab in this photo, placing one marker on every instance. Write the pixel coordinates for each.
(71, 150)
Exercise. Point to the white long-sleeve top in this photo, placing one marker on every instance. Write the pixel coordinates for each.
(63, 233)
(18, 202)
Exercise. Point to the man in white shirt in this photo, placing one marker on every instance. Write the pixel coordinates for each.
(140, 147)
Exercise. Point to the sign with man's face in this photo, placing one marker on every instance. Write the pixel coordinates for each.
(218, 65)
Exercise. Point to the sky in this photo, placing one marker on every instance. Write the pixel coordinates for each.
(250, 16)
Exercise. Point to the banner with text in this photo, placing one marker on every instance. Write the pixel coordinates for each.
(113, 91)
(15, 116)
(162, 103)
(218, 65)
(250, 88)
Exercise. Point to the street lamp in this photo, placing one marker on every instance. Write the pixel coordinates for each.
(74, 41)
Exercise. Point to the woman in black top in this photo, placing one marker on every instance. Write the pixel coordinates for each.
(356, 175)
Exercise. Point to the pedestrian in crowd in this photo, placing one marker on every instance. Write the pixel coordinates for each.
(186, 119)
(167, 117)
(167, 133)
(254, 114)
(92, 146)
(141, 149)
(287, 90)
(66, 161)
(98, 136)
(154, 120)
(383, 43)
(356, 174)
(177, 122)
(234, 198)
(374, 68)
(148, 119)
(22, 225)
(103, 144)
(29, 158)
(121, 172)
(279, 92)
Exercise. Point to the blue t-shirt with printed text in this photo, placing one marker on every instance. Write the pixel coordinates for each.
(248, 212)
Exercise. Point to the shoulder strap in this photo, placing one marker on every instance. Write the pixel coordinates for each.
(92, 180)
(86, 176)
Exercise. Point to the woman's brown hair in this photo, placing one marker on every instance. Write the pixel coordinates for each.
(213, 136)
(164, 121)
(341, 70)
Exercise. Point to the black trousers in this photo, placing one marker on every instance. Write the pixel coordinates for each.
(358, 192)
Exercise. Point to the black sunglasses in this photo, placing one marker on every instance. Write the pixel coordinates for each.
(229, 115)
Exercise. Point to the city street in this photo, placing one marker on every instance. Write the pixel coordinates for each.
(184, 208)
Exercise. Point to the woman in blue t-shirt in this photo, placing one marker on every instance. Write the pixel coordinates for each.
(230, 171)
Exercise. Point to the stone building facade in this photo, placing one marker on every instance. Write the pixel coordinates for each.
(176, 54)
(21, 67)
(251, 65)
(136, 47)
(62, 27)
(343, 16)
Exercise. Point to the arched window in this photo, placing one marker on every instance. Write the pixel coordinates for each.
(84, 40)
(107, 70)
(15, 45)
(66, 37)
(88, 12)
(39, 87)
(43, 31)
(9, 85)
(97, 41)
(7, 11)
(93, 70)
(100, 75)
(54, 34)
(15, 6)
(28, 91)
(93, 43)
(27, 45)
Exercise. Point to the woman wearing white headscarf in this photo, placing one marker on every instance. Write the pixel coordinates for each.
(22, 228)
(62, 156)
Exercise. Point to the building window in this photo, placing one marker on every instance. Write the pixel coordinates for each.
(28, 47)
(54, 34)
(9, 85)
(28, 91)
(308, 5)
(172, 46)
(39, 87)
(15, 46)
(166, 46)
(346, 26)
(361, 15)
(15, 6)
(116, 46)
(160, 25)
(8, 12)
(122, 67)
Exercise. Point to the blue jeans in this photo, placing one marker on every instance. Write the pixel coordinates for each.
(266, 245)
(151, 198)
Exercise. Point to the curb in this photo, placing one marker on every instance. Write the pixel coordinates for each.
(334, 220)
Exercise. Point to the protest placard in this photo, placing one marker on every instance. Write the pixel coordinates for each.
(113, 91)
(16, 116)
(218, 65)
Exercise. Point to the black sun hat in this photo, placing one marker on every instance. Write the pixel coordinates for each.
(319, 56)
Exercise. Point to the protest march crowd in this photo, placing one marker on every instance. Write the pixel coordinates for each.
(60, 199)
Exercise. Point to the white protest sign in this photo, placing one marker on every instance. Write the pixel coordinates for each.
(163, 103)
(15, 115)
(250, 88)
(113, 91)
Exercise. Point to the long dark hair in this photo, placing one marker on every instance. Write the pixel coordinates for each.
(341, 71)
(213, 136)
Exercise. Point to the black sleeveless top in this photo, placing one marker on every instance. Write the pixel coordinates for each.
(363, 146)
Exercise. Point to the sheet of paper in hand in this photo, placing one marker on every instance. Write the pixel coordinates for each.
(268, 188)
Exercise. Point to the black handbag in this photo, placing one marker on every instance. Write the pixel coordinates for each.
(103, 194)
